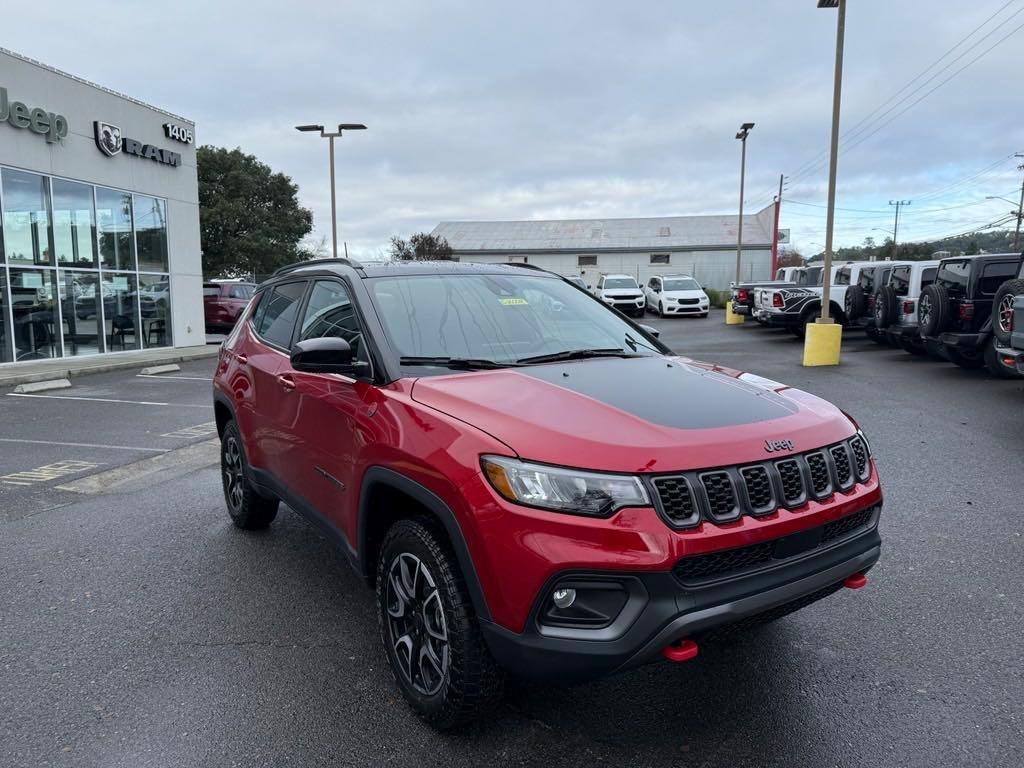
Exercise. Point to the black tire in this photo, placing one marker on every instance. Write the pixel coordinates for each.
(856, 302)
(995, 367)
(661, 309)
(800, 329)
(885, 307)
(416, 558)
(1002, 309)
(970, 358)
(248, 509)
(933, 313)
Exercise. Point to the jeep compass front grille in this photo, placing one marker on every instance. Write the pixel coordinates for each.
(723, 495)
(734, 562)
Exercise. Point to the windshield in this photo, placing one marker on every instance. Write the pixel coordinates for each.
(681, 284)
(620, 282)
(496, 318)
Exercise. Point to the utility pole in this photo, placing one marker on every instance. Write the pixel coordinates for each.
(896, 224)
(1020, 207)
(775, 239)
(830, 217)
(742, 136)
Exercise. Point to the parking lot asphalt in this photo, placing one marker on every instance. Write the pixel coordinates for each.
(139, 628)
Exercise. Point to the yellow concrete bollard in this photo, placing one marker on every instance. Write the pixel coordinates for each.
(731, 318)
(822, 343)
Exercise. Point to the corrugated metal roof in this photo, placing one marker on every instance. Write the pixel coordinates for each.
(656, 233)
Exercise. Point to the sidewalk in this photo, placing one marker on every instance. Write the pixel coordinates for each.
(12, 374)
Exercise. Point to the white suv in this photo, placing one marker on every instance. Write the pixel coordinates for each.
(896, 306)
(676, 295)
(622, 293)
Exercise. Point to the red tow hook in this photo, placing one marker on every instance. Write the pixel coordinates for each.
(857, 581)
(680, 650)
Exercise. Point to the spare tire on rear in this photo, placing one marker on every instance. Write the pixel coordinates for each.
(885, 307)
(1002, 309)
(933, 313)
(856, 302)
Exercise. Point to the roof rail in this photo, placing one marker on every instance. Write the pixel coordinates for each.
(312, 262)
(524, 265)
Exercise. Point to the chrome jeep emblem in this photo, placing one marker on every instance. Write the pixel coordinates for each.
(771, 446)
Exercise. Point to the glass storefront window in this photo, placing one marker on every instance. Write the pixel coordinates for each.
(73, 224)
(6, 353)
(114, 224)
(120, 310)
(35, 333)
(80, 312)
(155, 307)
(151, 233)
(26, 216)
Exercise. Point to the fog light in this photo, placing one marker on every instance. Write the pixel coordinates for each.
(563, 598)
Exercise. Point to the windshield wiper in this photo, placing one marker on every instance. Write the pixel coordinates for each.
(458, 363)
(575, 354)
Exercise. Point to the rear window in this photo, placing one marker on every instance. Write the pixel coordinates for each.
(241, 291)
(994, 275)
(928, 276)
(211, 290)
(953, 275)
(275, 319)
(900, 280)
(866, 280)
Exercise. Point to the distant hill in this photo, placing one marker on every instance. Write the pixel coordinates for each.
(996, 241)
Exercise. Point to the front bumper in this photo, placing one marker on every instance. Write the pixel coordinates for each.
(686, 309)
(662, 609)
(626, 305)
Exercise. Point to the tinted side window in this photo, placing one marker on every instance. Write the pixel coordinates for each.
(866, 280)
(996, 274)
(843, 276)
(275, 320)
(928, 276)
(330, 313)
(900, 280)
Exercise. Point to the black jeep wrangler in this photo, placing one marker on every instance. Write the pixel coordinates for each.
(962, 310)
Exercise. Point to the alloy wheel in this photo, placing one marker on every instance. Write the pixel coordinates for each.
(416, 624)
(234, 477)
(924, 309)
(1005, 313)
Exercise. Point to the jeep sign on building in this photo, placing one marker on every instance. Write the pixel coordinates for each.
(99, 236)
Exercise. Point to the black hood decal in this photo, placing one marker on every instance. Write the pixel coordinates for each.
(666, 392)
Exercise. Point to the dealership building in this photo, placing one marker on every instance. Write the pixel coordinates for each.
(703, 247)
(99, 234)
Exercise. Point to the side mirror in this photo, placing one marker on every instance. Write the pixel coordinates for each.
(650, 330)
(328, 354)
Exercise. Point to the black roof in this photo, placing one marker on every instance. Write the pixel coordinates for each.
(406, 268)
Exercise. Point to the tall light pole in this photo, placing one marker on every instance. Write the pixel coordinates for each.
(742, 136)
(833, 154)
(896, 224)
(1020, 207)
(332, 136)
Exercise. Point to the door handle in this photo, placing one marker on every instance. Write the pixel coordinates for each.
(286, 381)
(243, 359)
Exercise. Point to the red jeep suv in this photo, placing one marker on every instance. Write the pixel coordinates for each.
(223, 303)
(531, 482)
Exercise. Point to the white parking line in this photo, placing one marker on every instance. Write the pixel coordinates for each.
(83, 445)
(165, 377)
(110, 400)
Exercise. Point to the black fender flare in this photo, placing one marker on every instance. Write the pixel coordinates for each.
(381, 476)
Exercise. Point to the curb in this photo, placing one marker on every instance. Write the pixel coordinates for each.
(11, 377)
(41, 386)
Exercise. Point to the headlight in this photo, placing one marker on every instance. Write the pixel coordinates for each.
(563, 490)
(864, 437)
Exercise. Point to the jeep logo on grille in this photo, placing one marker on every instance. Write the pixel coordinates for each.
(778, 445)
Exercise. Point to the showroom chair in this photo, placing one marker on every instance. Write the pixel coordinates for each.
(121, 326)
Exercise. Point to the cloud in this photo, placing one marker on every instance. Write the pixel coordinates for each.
(540, 109)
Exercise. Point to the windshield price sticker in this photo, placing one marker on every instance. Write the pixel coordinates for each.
(513, 302)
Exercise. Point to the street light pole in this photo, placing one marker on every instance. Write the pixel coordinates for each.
(742, 136)
(833, 153)
(1020, 208)
(331, 137)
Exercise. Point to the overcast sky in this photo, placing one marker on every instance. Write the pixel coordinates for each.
(556, 109)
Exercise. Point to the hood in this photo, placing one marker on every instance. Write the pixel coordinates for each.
(650, 414)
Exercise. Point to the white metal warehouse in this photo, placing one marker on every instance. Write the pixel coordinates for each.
(701, 246)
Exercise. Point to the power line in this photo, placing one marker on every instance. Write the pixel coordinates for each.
(863, 124)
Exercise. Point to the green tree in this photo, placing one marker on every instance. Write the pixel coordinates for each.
(972, 248)
(250, 219)
(422, 246)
